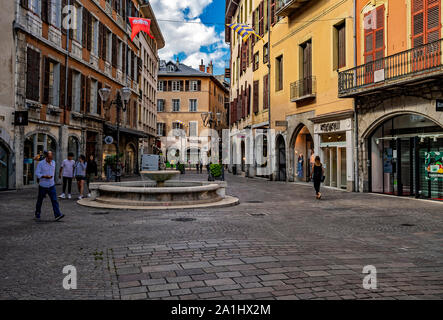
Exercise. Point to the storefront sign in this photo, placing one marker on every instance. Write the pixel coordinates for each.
(330, 126)
(434, 165)
(281, 123)
(439, 106)
(109, 140)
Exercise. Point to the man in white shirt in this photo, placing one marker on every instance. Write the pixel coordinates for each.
(45, 172)
(67, 169)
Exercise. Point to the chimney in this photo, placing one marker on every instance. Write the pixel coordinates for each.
(202, 66)
(178, 62)
(210, 68)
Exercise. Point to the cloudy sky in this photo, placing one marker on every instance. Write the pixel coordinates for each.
(202, 37)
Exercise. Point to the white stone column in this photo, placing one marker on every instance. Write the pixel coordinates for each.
(350, 159)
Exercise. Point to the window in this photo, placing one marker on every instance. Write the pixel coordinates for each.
(160, 105)
(279, 73)
(94, 33)
(193, 128)
(265, 92)
(176, 105)
(77, 33)
(56, 13)
(109, 45)
(160, 86)
(306, 56)
(76, 91)
(256, 96)
(51, 84)
(177, 125)
(374, 35)
(193, 85)
(94, 101)
(175, 85)
(265, 53)
(339, 46)
(425, 21)
(35, 6)
(256, 61)
(120, 55)
(193, 105)
(160, 129)
(33, 75)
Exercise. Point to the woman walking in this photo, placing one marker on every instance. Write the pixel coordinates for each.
(80, 174)
(317, 174)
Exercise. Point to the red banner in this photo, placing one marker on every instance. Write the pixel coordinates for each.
(140, 24)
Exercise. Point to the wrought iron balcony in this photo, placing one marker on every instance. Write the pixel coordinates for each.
(408, 66)
(286, 7)
(303, 89)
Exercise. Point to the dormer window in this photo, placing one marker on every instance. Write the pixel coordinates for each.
(171, 68)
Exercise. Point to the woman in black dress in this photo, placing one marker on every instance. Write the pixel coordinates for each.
(317, 174)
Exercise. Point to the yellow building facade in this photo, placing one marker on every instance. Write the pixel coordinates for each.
(186, 97)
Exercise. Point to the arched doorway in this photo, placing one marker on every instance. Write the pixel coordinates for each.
(281, 158)
(4, 167)
(74, 146)
(193, 156)
(130, 159)
(301, 151)
(405, 154)
(34, 145)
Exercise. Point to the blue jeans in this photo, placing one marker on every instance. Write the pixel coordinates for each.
(52, 195)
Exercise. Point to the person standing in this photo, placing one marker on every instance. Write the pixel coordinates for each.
(197, 167)
(317, 174)
(67, 171)
(201, 166)
(118, 172)
(91, 172)
(80, 175)
(45, 173)
(311, 162)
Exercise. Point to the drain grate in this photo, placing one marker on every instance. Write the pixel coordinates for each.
(183, 219)
(254, 201)
(257, 214)
(407, 225)
(101, 212)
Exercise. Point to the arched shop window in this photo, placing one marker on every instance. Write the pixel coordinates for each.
(35, 144)
(74, 146)
(405, 155)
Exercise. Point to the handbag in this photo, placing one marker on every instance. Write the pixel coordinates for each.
(323, 179)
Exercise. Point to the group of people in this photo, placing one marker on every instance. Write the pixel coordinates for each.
(82, 170)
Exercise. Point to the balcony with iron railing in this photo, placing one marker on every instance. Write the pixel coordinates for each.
(413, 65)
(287, 7)
(303, 89)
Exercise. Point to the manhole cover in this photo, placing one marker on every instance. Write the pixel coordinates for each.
(407, 225)
(257, 214)
(102, 212)
(254, 201)
(183, 219)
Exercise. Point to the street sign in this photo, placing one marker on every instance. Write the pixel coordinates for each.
(21, 118)
(281, 123)
(109, 140)
(439, 106)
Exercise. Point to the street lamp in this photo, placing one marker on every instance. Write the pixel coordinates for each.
(124, 93)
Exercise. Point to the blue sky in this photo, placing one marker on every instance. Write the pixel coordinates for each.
(202, 37)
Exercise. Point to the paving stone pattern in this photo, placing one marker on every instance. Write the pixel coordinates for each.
(297, 248)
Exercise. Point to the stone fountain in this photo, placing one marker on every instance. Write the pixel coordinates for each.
(159, 192)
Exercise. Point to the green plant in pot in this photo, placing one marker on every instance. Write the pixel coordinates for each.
(215, 169)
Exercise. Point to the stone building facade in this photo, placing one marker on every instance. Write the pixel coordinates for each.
(66, 51)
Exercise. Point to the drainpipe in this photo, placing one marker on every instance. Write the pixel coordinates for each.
(68, 30)
(356, 179)
(270, 143)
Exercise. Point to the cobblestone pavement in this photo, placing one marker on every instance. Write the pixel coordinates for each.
(279, 243)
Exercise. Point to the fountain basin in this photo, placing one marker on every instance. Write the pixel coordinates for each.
(160, 176)
(147, 195)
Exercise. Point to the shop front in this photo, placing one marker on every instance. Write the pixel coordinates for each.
(4, 166)
(334, 144)
(405, 155)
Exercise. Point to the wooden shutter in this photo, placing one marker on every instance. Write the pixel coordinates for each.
(32, 75)
(261, 19)
(124, 8)
(105, 45)
(114, 51)
(46, 10)
(62, 83)
(46, 74)
(273, 16)
(88, 95)
(374, 39)
(181, 85)
(24, 3)
(249, 100)
(89, 31)
(169, 85)
(99, 99)
(254, 26)
(199, 85)
(84, 27)
(100, 39)
(342, 46)
(82, 94)
(187, 85)
(256, 95)
(124, 58)
(425, 21)
(69, 93)
(265, 92)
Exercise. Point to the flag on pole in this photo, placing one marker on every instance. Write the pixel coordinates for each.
(244, 30)
(140, 24)
(370, 21)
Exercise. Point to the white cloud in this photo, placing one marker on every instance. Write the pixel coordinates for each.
(188, 38)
